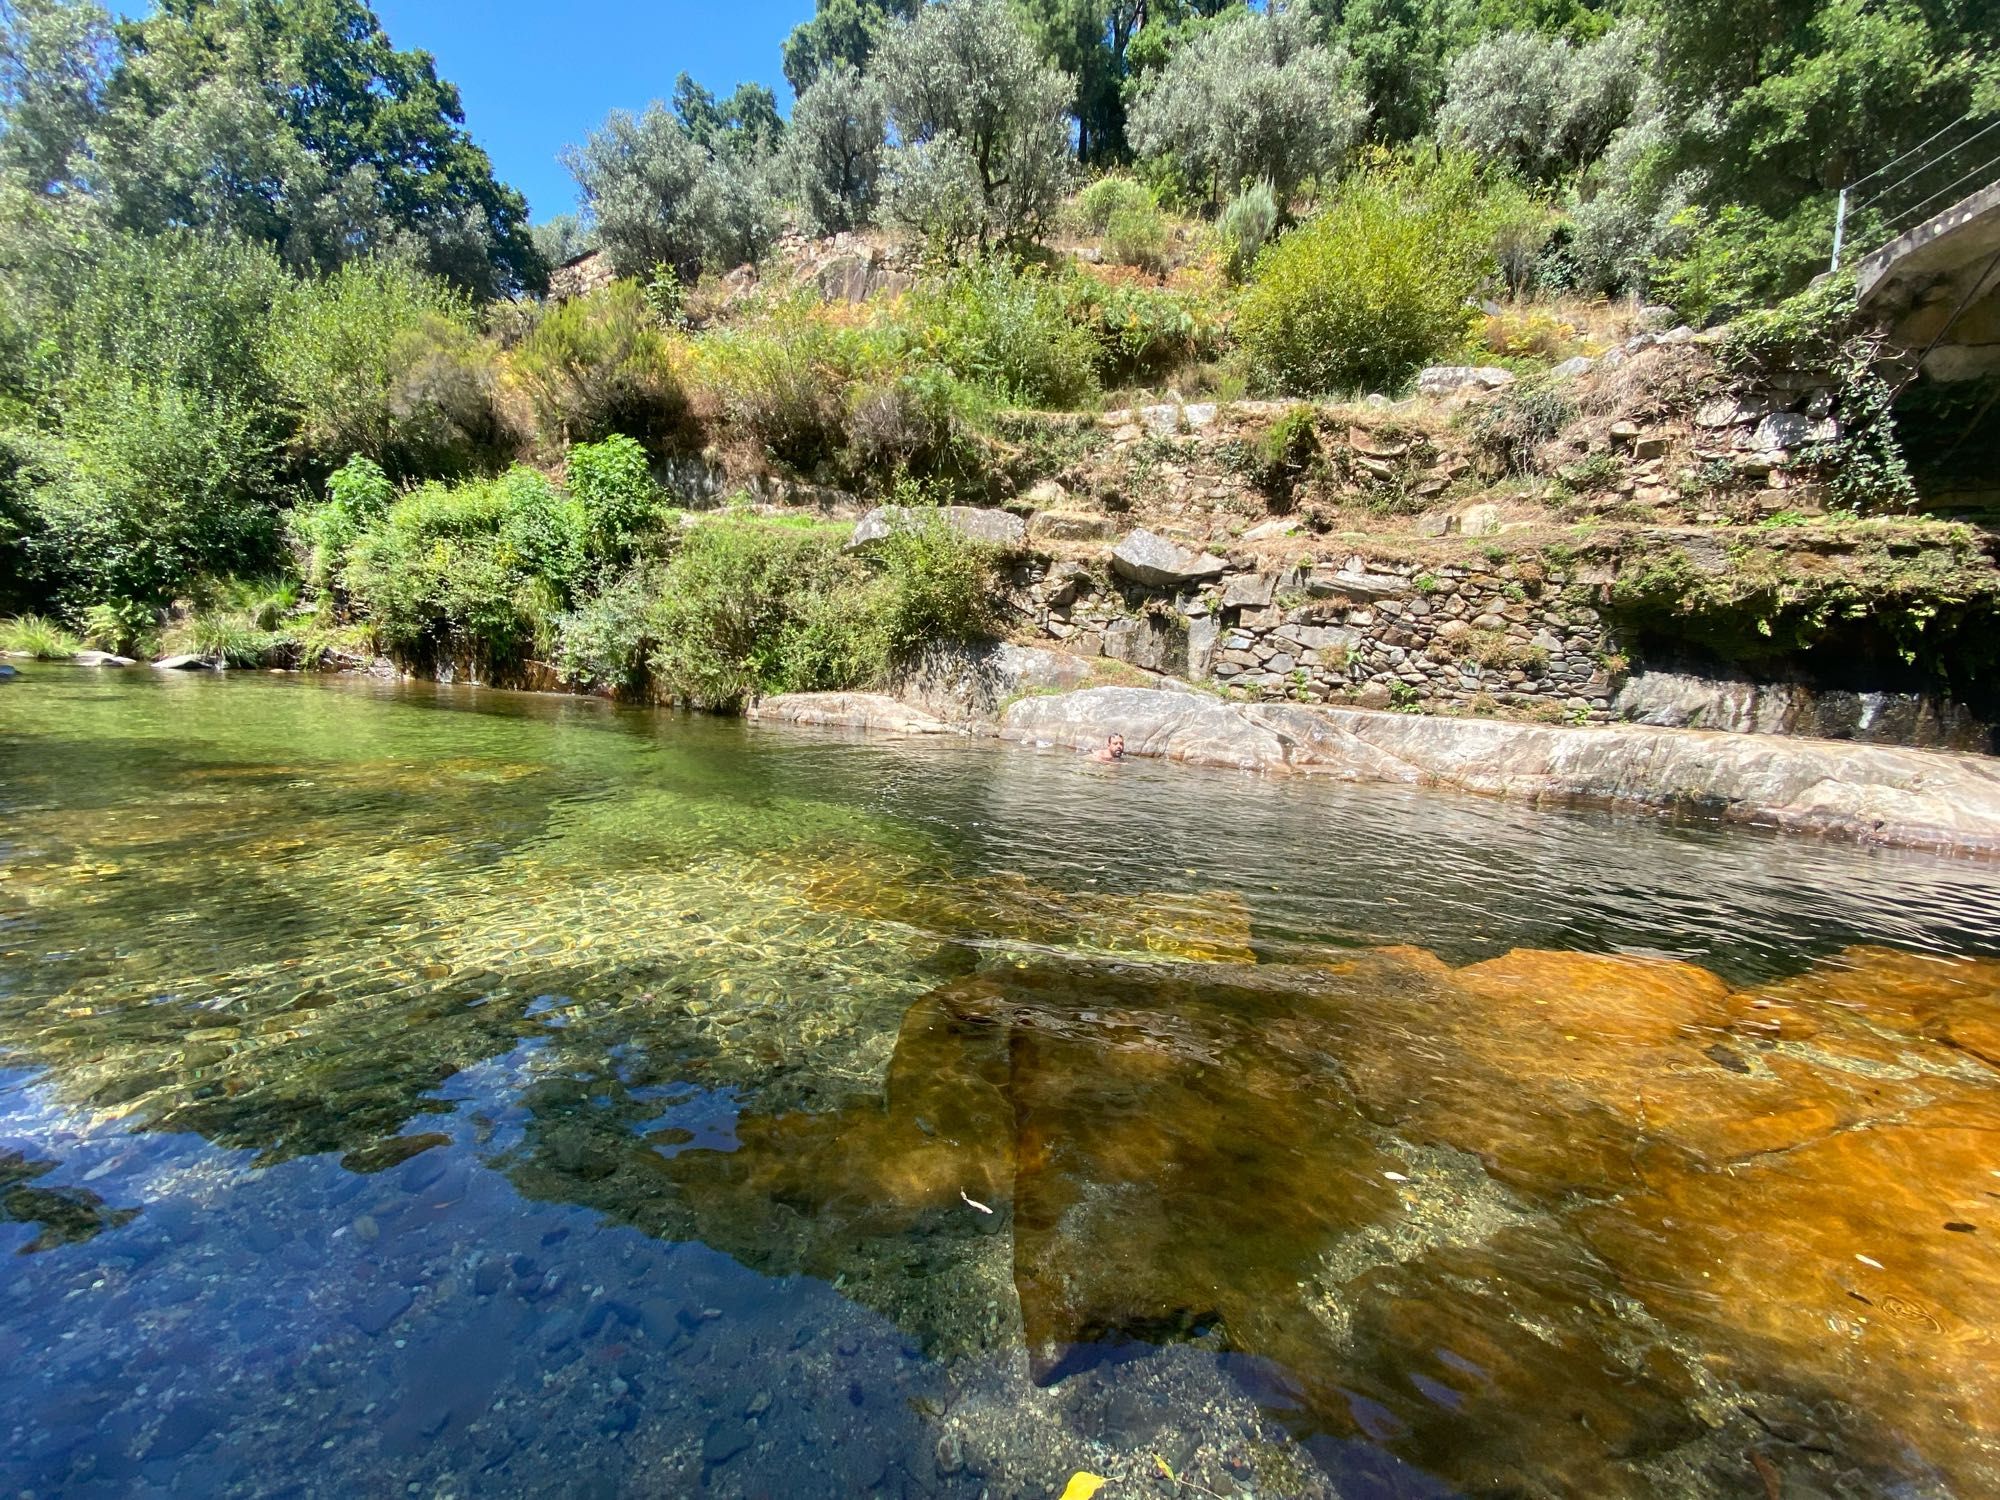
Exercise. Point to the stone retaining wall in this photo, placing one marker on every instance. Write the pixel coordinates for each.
(1384, 635)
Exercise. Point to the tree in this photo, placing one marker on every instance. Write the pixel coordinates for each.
(832, 157)
(745, 126)
(1256, 97)
(840, 31)
(655, 197)
(1541, 105)
(301, 125)
(54, 58)
(964, 81)
(563, 238)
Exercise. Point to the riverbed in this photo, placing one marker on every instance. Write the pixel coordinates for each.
(422, 1089)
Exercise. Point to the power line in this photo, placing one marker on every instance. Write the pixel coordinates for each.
(1914, 216)
(1919, 171)
(1920, 145)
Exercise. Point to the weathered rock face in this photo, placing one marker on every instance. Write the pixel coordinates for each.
(1876, 794)
(1447, 380)
(877, 712)
(996, 528)
(1684, 700)
(1145, 557)
(964, 684)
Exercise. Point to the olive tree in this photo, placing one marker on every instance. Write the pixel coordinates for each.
(655, 197)
(832, 158)
(1257, 98)
(975, 108)
(1540, 104)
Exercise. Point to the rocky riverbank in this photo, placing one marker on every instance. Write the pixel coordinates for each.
(1871, 793)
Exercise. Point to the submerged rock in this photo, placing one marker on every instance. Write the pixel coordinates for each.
(874, 711)
(1875, 793)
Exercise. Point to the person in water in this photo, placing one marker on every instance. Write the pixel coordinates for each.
(1112, 749)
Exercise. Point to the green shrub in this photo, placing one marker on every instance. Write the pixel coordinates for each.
(601, 365)
(1142, 332)
(33, 635)
(787, 377)
(613, 484)
(1245, 225)
(475, 572)
(1008, 331)
(358, 494)
(747, 608)
(1137, 236)
(941, 583)
(125, 627)
(382, 360)
(1096, 206)
(1372, 287)
(605, 641)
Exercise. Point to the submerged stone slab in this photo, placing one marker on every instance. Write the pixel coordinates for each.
(1873, 793)
(873, 711)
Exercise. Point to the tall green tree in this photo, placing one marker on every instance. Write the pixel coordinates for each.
(840, 31)
(298, 123)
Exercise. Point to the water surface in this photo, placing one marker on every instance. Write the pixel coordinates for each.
(406, 1088)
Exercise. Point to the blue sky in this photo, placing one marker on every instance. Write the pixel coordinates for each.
(536, 77)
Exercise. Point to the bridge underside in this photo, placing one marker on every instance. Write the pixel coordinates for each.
(1937, 289)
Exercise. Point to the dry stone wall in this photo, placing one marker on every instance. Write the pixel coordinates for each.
(1383, 634)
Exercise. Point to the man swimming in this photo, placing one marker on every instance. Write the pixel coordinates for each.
(1112, 749)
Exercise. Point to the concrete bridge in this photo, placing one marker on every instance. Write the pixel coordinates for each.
(1936, 289)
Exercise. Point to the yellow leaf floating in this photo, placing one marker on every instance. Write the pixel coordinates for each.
(1082, 1485)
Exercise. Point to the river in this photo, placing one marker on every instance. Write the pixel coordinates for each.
(415, 1089)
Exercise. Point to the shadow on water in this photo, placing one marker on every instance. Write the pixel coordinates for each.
(464, 1084)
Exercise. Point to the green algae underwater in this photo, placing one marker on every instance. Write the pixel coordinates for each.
(490, 1093)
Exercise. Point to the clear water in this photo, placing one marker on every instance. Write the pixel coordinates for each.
(445, 1092)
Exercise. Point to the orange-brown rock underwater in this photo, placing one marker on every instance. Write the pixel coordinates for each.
(1549, 1223)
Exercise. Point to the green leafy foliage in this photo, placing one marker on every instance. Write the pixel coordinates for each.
(37, 637)
(1008, 331)
(1374, 286)
(600, 365)
(612, 483)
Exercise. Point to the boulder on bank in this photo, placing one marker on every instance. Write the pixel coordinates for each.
(186, 663)
(964, 684)
(1149, 558)
(102, 659)
(877, 712)
(995, 528)
(1877, 794)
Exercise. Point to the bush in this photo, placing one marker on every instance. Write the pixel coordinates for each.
(604, 642)
(473, 573)
(1097, 205)
(1245, 225)
(33, 635)
(613, 485)
(787, 377)
(1137, 236)
(601, 365)
(941, 583)
(358, 494)
(380, 360)
(746, 607)
(1372, 287)
(125, 627)
(1144, 331)
(1008, 331)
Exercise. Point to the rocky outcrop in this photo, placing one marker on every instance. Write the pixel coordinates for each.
(968, 684)
(1148, 558)
(1876, 794)
(1686, 700)
(995, 528)
(877, 712)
